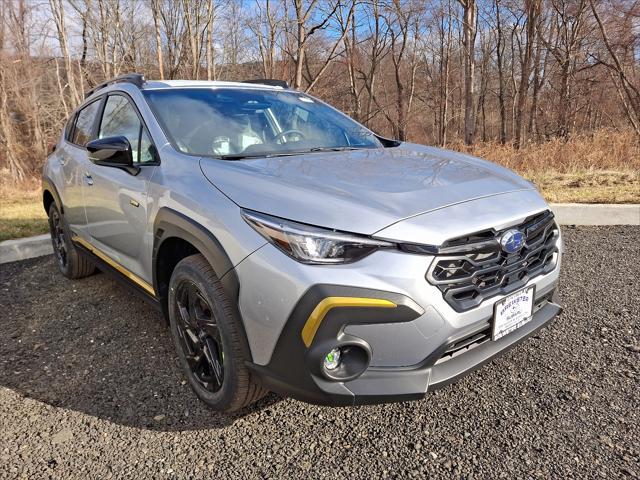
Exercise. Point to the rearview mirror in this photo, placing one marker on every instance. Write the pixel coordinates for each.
(112, 152)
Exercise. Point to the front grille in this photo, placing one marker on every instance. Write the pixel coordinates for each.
(472, 268)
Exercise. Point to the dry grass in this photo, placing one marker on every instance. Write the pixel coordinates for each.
(603, 150)
(599, 168)
(588, 186)
(21, 211)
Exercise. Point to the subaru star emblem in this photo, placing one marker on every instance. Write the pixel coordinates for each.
(512, 241)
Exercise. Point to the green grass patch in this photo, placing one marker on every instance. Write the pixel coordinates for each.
(21, 214)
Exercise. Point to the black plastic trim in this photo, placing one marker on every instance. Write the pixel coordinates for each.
(49, 186)
(295, 370)
(289, 372)
(170, 223)
(136, 79)
(268, 81)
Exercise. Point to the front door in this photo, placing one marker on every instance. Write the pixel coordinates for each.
(116, 200)
(72, 155)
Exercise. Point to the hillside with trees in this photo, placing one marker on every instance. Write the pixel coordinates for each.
(529, 83)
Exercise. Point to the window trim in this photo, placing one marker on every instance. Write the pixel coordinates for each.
(132, 102)
(75, 115)
(69, 127)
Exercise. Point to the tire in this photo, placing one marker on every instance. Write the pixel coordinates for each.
(71, 263)
(209, 339)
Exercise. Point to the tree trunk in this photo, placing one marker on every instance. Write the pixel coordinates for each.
(211, 66)
(469, 40)
(155, 10)
(500, 66)
(533, 10)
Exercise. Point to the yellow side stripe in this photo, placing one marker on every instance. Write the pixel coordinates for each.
(317, 316)
(130, 275)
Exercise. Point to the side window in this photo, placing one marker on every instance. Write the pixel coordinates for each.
(120, 118)
(146, 147)
(68, 128)
(83, 131)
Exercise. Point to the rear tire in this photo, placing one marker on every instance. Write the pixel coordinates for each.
(209, 339)
(71, 263)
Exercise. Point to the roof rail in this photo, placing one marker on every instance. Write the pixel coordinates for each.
(135, 78)
(269, 81)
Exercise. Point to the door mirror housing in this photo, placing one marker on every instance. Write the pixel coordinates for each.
(112, 152)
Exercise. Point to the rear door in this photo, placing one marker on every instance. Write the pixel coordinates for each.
(74, 161)
(116, 200)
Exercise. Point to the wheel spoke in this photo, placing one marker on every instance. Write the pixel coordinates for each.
(200, 336)
(184, 314)
(192, 296)
(213, 357)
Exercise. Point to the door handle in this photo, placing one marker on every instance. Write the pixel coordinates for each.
(88, 179)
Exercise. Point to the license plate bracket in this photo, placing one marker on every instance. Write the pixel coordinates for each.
(512, 312)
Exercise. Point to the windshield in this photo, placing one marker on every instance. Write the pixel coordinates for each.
(240, 123)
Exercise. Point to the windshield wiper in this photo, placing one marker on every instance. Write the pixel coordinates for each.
(332, 149)
(240, 156)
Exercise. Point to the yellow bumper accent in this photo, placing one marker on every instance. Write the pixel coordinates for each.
(315, 319)
(130, 275)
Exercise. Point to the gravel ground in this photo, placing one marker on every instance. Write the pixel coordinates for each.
(90, 388)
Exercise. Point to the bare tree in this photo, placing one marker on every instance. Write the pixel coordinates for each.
(627, 87)
(431, 71)
(532, 8)
(155, 11)
(445, 34)
(500, 48)
(470, 18)
(57, 12)
(569, 28)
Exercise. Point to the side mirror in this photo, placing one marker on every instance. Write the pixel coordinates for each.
(112, 152)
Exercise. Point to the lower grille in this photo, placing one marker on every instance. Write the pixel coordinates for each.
(463, 345)
(474, 268)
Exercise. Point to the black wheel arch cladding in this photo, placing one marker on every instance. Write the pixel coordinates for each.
(48, 187)
(169, 224)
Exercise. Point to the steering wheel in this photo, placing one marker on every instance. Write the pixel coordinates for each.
(284, 134)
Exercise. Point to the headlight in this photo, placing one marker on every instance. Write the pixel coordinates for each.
(311, 244)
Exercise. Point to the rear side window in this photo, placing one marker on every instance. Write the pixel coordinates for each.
(68, 128)
(85, 120)
(121, 118)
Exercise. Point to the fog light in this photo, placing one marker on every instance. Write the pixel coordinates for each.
(332, 359)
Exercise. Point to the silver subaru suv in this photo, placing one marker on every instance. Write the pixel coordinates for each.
(290, 248)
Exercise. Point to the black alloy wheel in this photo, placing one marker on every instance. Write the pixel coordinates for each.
(210, 341)
(200, 337)
(70, 263)
(59, 239)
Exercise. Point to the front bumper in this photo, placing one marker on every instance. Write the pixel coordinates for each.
(419, 345)
(294, 369)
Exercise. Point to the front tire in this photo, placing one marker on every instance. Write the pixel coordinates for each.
(209, 338)
(70, 262)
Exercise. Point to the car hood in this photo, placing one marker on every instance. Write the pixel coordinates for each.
(361, 191)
